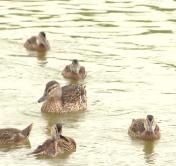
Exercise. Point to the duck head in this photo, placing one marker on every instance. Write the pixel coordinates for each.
(41, 39)
(56, 131)
(74, 66)
(52, 91)
(149, 125)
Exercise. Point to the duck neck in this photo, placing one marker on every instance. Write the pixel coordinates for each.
(148, 135)
(41, 40)
(56, 137)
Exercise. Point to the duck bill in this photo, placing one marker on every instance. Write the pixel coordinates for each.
(43, 98)
(150, 129)
(75, 68)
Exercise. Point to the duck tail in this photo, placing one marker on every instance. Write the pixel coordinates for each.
(27, 130)
(39, 150)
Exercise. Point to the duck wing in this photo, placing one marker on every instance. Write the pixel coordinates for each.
(32, 40)
(67, 144)
(10, 135)
(137, 125)
(47, 148)
(82, 72)
(67, 68)
(31, 43)
(73, 93)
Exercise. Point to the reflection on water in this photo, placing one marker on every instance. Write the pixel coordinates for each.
(7, 148)
(41, 57)
(64, 119)
(52, 160)
(148, 147)
(149, 153)
(127, 48)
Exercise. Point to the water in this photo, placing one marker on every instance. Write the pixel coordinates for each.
(128, 49)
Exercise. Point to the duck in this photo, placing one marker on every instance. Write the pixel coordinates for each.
(57, 144)
(146, 129)
(10, 136)
(69, 98)
(74, 71)
(37, 43)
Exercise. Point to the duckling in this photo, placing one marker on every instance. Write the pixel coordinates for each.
(9, 136)
(74, 71)
(146, 129)
(57, 144)
(37, 43)
(70, 98)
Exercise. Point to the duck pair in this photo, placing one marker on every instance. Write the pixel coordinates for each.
(56, 145)
(40, 43)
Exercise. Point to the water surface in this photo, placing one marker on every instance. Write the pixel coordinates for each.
(128, 49)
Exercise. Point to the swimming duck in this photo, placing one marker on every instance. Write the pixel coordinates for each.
(10, 136)
(74, 71)
(37, 43)
(146, 129)
(57, 144)
(70, 98)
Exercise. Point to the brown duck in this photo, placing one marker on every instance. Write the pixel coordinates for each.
(56, 145)
(74, 71)
(146, 129)
(14, 136)
(70, 98)
(37, 43)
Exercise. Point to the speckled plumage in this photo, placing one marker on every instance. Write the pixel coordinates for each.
(55, 148)
(14, 136)
(56, 145)
(73, 99)
(52, 106)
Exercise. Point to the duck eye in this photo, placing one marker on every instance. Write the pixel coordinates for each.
(53, 87)
(49, 90)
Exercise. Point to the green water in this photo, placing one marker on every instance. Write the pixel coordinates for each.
(128, 49)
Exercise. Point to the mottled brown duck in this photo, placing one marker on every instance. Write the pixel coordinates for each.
(37, 43)
(10, 136)
(56, 145)
(70, 98)
(146, 129)
(74, 71)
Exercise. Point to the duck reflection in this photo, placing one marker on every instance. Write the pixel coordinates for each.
(42, 58)
(70, 118)
(148, 149)
(7, 148)
(149, 154)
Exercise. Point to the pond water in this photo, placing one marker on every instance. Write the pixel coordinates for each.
(128, 49)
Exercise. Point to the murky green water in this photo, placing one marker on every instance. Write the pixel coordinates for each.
(128, 48)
